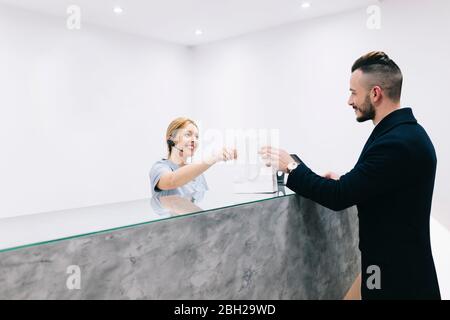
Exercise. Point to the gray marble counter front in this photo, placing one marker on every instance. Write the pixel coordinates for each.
(281, 248)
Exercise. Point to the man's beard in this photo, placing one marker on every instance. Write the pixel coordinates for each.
(367, 111)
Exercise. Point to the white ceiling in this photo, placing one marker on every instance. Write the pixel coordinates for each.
(177, 20)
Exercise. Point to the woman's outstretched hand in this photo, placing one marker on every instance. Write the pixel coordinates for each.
(226, 154)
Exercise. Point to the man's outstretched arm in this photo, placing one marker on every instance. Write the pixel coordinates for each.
(381, 170)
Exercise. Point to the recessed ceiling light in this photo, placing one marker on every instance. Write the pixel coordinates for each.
(117, 10)
(306, 5)
(198, 32)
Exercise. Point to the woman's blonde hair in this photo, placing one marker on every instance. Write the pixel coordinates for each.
(172, 129)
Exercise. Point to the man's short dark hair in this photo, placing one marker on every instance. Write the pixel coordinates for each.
(383, 71)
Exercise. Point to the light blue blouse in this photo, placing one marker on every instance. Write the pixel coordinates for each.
(160, 167)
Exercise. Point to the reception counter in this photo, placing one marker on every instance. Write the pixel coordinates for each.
(215, 245)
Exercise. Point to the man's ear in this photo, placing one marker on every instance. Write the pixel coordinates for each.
(376, 93)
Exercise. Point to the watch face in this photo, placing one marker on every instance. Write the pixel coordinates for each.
(292, 166)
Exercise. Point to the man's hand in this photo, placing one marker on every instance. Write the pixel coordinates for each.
(331, 175)
(276, 158)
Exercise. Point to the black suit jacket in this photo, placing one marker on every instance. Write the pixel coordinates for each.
(392, 187)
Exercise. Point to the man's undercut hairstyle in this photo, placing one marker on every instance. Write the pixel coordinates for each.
(381, 71)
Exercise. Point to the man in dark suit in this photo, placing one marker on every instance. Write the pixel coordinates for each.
(391, 185)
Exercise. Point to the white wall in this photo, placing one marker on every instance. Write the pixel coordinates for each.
(82, 113)
(299, 74)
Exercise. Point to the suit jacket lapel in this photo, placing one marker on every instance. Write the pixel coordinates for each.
(392, 120)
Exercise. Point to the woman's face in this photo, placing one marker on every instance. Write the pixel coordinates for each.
(188, 140)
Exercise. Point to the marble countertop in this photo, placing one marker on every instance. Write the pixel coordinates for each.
(17, 232)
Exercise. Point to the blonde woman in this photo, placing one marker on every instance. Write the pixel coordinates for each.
(174, 175)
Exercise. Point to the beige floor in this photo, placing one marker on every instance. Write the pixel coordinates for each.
(355, 291)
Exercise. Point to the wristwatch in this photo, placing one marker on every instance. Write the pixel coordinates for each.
(292, 166)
